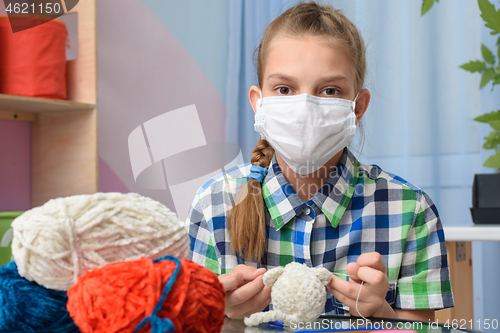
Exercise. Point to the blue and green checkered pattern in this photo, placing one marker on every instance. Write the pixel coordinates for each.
(359, 209)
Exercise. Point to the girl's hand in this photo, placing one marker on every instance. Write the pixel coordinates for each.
(370, 269)
(245, 291)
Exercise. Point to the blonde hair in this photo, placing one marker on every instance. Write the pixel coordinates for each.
(247, 220)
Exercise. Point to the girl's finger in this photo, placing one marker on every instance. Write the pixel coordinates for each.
(249, 273)
(257, 272)
(246, 292)
(259, 302)
(373, 277)
(348, 288)
(351, 303)
(231, 282)
(373, 260)
(352, 271)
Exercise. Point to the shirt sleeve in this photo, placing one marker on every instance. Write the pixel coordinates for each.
(424, 279)
(202, 248)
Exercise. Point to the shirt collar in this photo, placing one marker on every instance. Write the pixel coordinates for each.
(333, 198)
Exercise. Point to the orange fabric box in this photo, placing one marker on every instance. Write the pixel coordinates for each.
(33, 61)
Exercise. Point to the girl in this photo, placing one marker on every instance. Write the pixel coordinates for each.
(306, 198)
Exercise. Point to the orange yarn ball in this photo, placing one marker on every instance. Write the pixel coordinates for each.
(118, 296)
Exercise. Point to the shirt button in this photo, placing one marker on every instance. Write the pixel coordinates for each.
(308, 211)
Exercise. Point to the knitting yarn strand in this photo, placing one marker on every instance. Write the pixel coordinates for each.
(162, 325)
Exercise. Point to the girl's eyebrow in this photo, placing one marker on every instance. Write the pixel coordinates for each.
(280, 76)
(333, 78)
(325, 79)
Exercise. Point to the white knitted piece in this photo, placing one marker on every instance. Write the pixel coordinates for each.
(55, 243)
(298, 294)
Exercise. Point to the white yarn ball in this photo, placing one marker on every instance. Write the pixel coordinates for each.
(55, 243)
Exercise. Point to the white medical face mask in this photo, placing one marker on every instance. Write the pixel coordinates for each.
(305, 130)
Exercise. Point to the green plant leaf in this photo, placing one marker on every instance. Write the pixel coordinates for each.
(492, 141)
(487, 76)
(426, 6)
(495, 124)
(496, 79)
(487, 117)
(474, 66)
(493, 161)
(490, 15)
(487, 54)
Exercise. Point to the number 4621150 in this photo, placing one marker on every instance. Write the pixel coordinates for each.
(26, 8)
(480, 324)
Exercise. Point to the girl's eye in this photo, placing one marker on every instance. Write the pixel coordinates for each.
(330, 92)
(284, 90)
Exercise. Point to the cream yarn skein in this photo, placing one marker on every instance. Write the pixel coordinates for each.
(55, 243)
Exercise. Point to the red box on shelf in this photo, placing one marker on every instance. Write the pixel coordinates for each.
(33, 61)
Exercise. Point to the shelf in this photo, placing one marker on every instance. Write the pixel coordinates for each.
(10, 104)
(64, 157)
(475, 232)
(21, 116)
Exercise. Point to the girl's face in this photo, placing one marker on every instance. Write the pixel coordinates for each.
(309, 65)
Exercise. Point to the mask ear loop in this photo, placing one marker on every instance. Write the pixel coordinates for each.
(354, 103)
(262, 136)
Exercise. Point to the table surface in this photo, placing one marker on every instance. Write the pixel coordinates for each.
(332, 323)
(473, 232)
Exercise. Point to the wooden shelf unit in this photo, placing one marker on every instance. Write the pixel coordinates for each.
(64, 132)
(26, 108)
(40, 105)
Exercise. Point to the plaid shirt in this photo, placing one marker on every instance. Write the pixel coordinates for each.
(359, 209)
